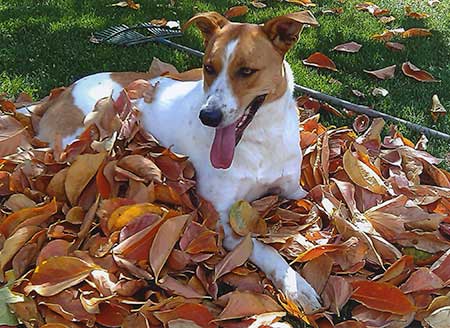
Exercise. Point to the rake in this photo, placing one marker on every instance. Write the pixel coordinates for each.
(124, 35)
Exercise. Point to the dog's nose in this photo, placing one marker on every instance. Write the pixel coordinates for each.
(211, 117)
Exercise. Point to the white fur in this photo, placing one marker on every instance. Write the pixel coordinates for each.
(220, 94)
(268, 156)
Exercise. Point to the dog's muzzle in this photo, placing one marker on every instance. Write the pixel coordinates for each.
(211, 116)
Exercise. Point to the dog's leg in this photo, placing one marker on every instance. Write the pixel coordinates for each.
(276, 269)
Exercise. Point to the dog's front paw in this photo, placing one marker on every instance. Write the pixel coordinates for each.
(296, 288)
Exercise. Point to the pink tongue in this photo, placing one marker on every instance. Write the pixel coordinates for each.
(222, 149)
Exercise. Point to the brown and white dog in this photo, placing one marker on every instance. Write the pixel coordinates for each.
(238, 125)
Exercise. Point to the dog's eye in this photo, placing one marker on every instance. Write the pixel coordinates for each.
(246, 71)
(209, 69)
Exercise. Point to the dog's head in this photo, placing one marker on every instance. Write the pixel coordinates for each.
(242, 69)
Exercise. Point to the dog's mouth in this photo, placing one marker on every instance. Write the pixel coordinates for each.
(227, 138)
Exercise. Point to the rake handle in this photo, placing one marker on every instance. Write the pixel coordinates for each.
(332, 100)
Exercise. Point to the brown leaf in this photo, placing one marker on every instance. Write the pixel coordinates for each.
(336, 293)
(383, 73)
(128, 3)
(351, 47)
(414, 14)
(258, 4)
(13, 244)
(12, 136)
(381, 296)
(80, 174)
(235, 258)
(363, 175)
(173, 286)
(57, 274)
(416, 73)
(142, 168)
(399, 270)
(319, 60)
(421, 280)
(197, 313)
(317, 272)
(395, 46)
(236, 11)
(361, 123)
(437, 109)
(244, 304)
(165, 239)
(415, 32)
(26, 216)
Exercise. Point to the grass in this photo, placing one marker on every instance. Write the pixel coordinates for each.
(45, 45)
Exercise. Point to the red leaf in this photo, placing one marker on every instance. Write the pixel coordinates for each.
(382, 296)
(319, 60)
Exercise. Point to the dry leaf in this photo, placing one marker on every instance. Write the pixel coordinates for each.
(236, 11)
(306, 3)
(415, 15)
(381, 296)
(258, 4)
(164, 241)
(319, 60)
(235, 258)
(58, 273)
(361, 123)
(380, 92)
(386, 19)
(363, 175)
(415, 31)
(245, 304)
(416, 73)
(437, 109)
(394, 46)
(439, 318)
(12, 135)
(80, 173)
(245, 219)
(351, 47)
(383, 73)
(128, 3)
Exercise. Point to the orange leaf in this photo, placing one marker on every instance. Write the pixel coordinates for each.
(57, 274)
(416, 73)
(398, 270)
(178, 288)
(384, 73)
(235, 258)
(381, 296)
(236, 11)
(204, 242)
(165, 239)
(37, 214)
(351, 47)
(415, 31)
(317, 251)
(125, 214)
(12, 135)
(102, 183)
(363, 175)
(245, 304)
(319, 60)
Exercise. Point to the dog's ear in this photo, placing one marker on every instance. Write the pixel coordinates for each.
(208, 23)
(283, 31)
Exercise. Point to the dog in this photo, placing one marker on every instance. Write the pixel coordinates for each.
(239, 124)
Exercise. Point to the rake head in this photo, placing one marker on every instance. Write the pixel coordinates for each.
(127, 36)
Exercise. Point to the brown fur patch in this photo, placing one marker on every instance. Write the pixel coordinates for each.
(61, 118)
(255, 51)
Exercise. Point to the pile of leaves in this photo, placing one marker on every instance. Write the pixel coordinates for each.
(110, 231)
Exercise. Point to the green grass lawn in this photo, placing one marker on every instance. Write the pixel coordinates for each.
(44, 44)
